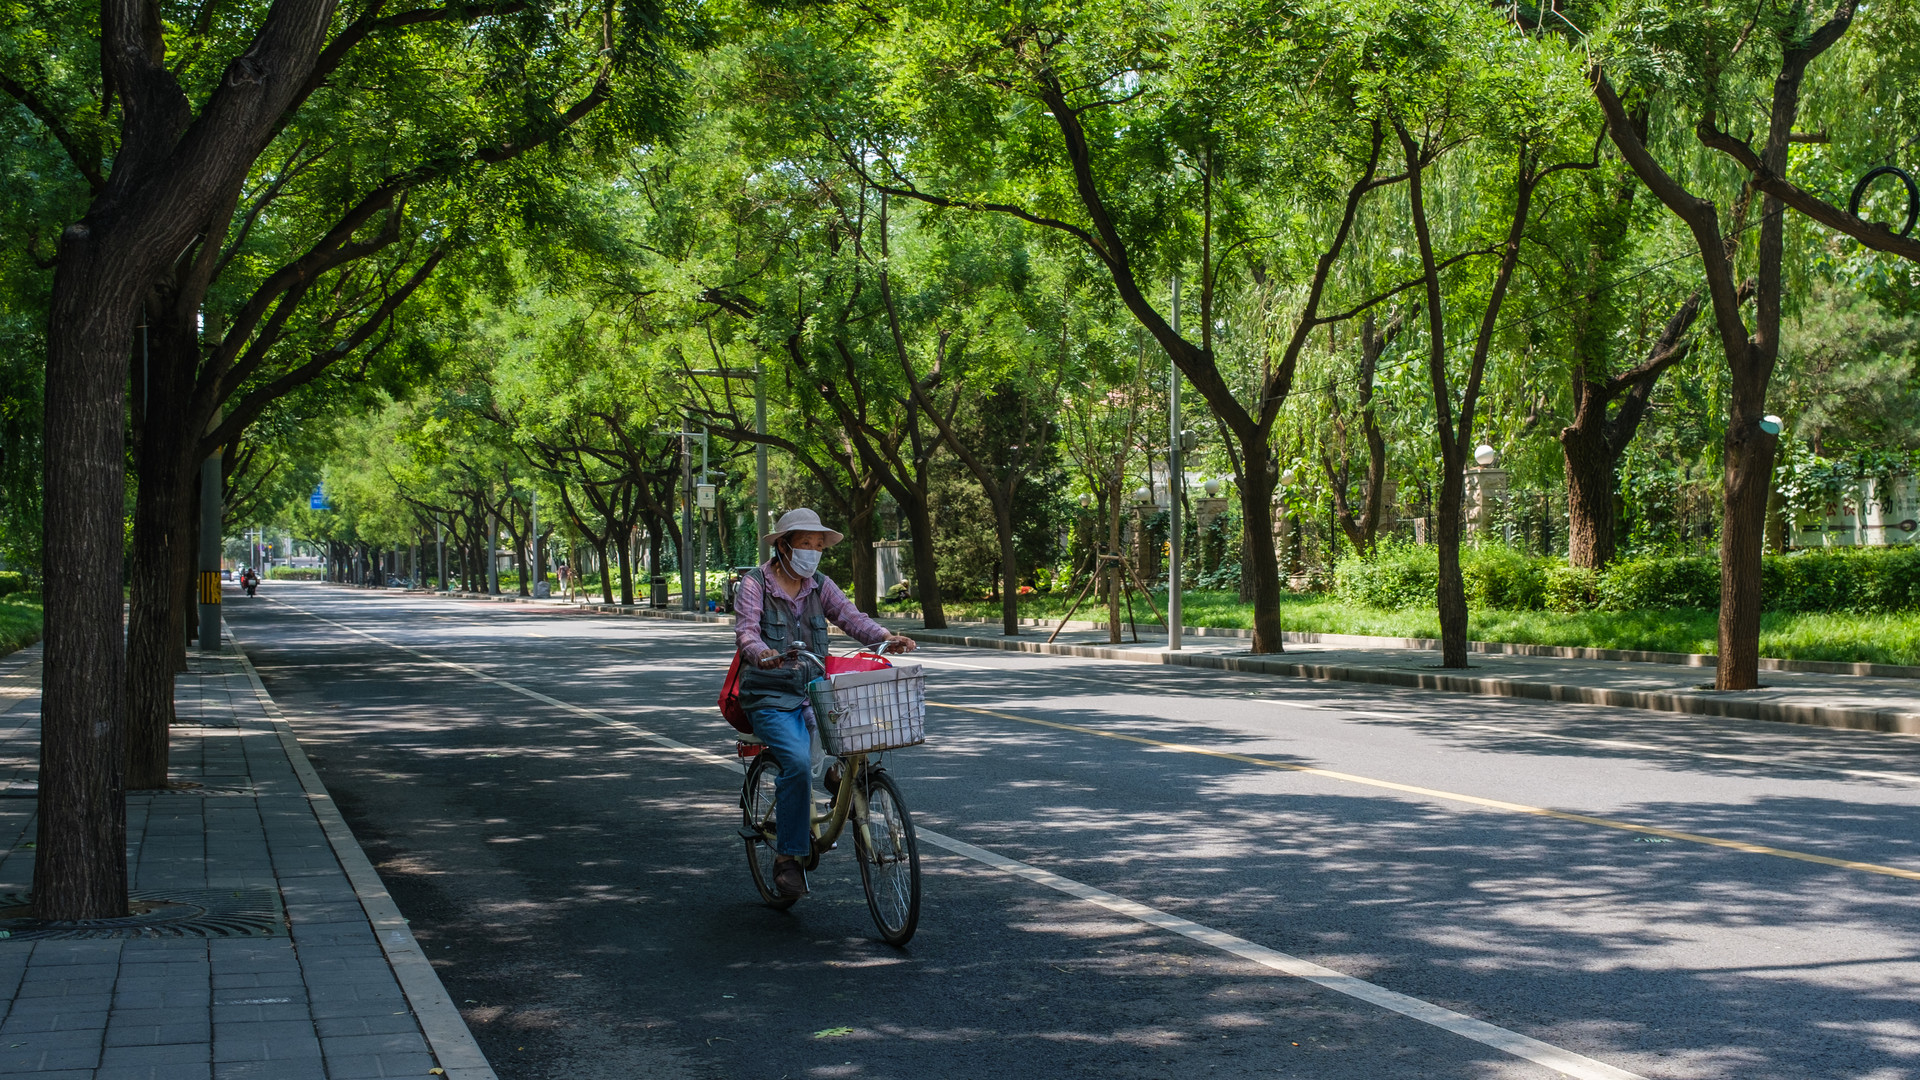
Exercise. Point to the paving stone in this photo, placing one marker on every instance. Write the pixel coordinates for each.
(318, 1001)
(200, 1052)
(302, 1069)
(359, 1045)
(180, 1071)
(379, 1065)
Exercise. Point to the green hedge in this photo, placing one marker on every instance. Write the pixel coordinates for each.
(296, 573)
(12, 581)
(1852, 580)
(1406, 575)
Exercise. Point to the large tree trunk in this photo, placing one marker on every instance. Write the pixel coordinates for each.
(1009, 565)
(154, 612)
(1589, 462)
(1451, 593)
(606, 579)
(80, 856)
(626, 561)
(1260, 477)
(860, 532)
(1743, 535)
(925, 576)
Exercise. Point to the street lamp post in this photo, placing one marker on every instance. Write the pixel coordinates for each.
(1174, 440)
(764, 524)
(686, 519)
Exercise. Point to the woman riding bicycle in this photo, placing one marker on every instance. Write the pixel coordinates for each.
(783, 605)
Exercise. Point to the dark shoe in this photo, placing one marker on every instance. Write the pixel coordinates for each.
(788, 878)
(832, 780)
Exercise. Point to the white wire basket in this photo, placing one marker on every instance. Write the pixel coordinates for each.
(860, 712)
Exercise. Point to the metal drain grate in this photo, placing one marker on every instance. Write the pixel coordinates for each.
(179, 913)
(191, 787)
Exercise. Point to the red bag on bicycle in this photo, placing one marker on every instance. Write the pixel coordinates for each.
(730, 690)
(730, 699)
(840, 665)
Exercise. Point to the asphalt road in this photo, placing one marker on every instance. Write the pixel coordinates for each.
(1682, 912)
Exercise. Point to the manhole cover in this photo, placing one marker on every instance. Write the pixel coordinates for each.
(193, 787)
(181, 913)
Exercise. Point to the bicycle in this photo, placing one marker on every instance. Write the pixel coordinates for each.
(859, 716)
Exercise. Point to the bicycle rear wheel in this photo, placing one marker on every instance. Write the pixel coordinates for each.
(756, 811)
(889, 859)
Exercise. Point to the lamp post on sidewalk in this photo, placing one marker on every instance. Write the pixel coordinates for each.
(1175, 438)
(763, 522)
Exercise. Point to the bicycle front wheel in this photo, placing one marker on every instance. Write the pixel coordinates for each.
(889, 859)
(756, 807)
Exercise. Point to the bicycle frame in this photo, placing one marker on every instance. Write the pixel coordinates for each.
(849, 797)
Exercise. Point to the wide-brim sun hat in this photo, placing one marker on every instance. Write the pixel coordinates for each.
(802, 520)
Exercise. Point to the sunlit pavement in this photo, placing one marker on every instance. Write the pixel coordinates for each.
(1682, 911)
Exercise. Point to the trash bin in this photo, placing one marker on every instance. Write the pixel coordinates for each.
(659, 597)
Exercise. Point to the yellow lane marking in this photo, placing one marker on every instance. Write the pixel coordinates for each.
(1454, 796)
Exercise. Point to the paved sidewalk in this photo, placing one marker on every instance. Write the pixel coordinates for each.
(270, 949)
(1821, 698)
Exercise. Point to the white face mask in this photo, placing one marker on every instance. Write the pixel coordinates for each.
(803, 562)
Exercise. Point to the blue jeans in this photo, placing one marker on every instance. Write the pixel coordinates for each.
(785, 733)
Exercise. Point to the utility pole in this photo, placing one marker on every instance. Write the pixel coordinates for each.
(1174, 439)
(210, 553)
(704, 482)
(686, 519)
(760, 456)
(493, 553)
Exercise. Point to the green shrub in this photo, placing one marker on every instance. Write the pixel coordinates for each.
(1691, 581)
(1859, 580)
(1570, 589)
(1398, 576)
(1407, 575)
(1500, 577)
(12, 581)
(296, 573)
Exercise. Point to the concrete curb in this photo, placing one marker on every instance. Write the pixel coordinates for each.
(1505, 648)
(446, 1032)
(1891, 721)
(1884, 720)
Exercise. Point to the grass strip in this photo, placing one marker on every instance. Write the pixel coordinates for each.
(20, 622)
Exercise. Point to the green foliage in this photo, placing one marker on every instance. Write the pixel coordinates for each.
(1570, 588)
(1653, 582)
(1857, 580)
(20, 622)
(1407, 575)
(295, 573)
(1397, 576)
(1499, 577)
(12, 581)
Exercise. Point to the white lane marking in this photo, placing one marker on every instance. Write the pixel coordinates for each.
(1622, 744)
(1541, 1053)
(1562, 1061)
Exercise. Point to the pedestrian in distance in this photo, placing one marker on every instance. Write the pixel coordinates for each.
(783, 605)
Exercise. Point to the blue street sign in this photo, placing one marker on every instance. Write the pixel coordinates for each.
(318, 500)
